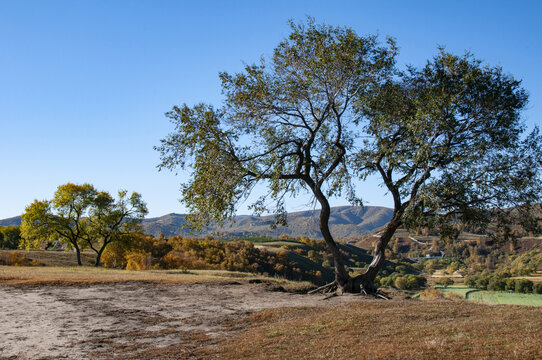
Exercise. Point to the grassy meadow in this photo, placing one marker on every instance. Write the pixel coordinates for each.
(494, 297)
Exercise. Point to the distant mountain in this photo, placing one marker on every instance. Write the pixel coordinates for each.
(12, 221)
(345, 222)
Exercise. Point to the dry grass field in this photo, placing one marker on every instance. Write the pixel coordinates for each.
(51, 312)
(391, 330)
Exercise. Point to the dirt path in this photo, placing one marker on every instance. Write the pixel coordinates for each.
(130, 320)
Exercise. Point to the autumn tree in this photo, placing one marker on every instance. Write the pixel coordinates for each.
(81, 217)
(109, 220)
(288, 123)
(63, 218)
(10, 236)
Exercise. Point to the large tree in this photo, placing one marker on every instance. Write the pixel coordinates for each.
(288, 123)
(324, 110)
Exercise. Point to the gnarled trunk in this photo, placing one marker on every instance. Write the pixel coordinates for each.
(366, 281)
(341, 276)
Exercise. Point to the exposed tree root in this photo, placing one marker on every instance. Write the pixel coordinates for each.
(326, 289)
(333, 289)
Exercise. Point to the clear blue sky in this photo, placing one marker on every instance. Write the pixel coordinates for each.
(84, 85)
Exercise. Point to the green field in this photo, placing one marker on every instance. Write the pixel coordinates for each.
(494, 297)
(499, 297)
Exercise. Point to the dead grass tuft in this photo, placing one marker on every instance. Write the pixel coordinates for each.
(431, 294)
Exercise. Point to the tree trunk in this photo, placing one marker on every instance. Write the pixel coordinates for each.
(99, 255)
(366, 280)
(341, 276)
(78, 252)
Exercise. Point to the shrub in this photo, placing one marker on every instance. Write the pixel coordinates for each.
(10, 236)
(401, 269)
(510, 285)
(482, 282)
(524, 286)
(496, 283)
(415, 281)
(400, 283)
(537, 288)
(471, 281)
(171, 261)
(431, 294)
(445, 281)
(114, 256)
(16, 260)
(138, 260)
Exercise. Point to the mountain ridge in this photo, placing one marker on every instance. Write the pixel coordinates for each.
(345, 222)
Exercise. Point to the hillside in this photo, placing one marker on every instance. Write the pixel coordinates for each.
(12, 221)
(345, 222)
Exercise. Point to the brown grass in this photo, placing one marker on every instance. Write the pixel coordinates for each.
(391, 330)
(86, 275)
(49, 258)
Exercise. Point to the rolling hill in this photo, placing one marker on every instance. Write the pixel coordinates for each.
(345, 222)
(12, 221)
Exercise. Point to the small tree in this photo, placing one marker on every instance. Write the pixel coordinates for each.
(445, 281)
(110, 220)
(63, 218)
(10, 236)
(80, 217)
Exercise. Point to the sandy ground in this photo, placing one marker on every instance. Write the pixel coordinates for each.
(132, 320)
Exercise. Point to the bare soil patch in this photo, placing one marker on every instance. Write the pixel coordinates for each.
(133, 320)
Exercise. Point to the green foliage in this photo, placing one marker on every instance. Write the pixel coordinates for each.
(10, 236)
(80, 216)
(497, 282)
(447, 139)
(110, 220)
(403, 282)
(451, 132)
(445, 281)
(524, 286)
(296, 112)
(62, 218)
